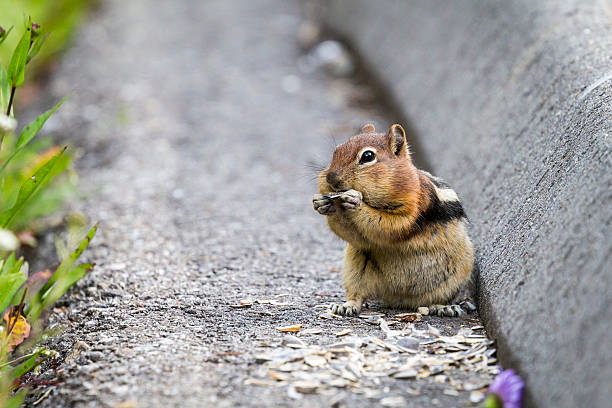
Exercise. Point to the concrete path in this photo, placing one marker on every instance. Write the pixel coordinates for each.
(195, 137)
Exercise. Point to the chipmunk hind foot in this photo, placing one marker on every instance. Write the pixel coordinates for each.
(458, 309)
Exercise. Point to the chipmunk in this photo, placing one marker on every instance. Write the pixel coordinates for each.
(405, 229)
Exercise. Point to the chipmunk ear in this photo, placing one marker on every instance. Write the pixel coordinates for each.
(397, 140)
(368, 128)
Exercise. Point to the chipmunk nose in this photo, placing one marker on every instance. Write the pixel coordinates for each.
(333, 179)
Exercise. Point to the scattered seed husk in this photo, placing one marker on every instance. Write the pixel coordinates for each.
(290, 367)
(356, 363)
(409, 317)
(278, 376)
(229, 353)
(367, 315)
(294, 328)
(313, 330)
(242, 305)
(293, 342)
(440, 378)
(306, 387)
(263, 358)
(333, 196)
(265, 313)
(405, 374)
(329, 315)
(451, 392)
(315, 361)
(393, 402)
(424, 373)
(272, 302)
(343, 332)
(292, 393)
(339, 383)
(349, 375)
(261, 383)
(374, 320)
(469, 386)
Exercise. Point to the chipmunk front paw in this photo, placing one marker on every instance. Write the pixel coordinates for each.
(348, 308)
(350, 199)
(322, 204)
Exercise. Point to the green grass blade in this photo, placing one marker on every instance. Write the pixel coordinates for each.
(28, 188)
(60, 287)
(69, 261)
(6, 35)
(16, 68)
(29, 364)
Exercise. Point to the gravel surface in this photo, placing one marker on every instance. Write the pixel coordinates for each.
(197, 125)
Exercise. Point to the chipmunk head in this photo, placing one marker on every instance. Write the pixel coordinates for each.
(376, 164)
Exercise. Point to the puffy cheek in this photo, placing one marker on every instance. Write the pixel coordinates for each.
(372, 186)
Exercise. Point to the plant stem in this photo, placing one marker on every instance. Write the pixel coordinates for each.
(10, 104)
(18, 359)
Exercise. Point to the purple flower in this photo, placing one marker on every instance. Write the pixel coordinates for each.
(35, 30)
(505, 391)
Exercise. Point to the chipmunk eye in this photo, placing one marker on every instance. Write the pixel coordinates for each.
(367, 156)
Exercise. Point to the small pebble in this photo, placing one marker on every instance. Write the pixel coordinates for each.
(423, 310)
(476, 396)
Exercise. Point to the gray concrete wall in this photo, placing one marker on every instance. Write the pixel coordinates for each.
(510, 101)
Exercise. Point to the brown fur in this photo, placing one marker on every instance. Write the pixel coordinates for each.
(389, 255)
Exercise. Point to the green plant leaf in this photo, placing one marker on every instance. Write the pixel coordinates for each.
(16, 68)
(6, 35)
(30, 131)
(11, 280)
(28, 188)
(38, 43)
(5, 90)
(7, 265)
(68, 262)
(33, 128)
(9, 285)
(31, 363)
(61, 285)
(16, 400)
